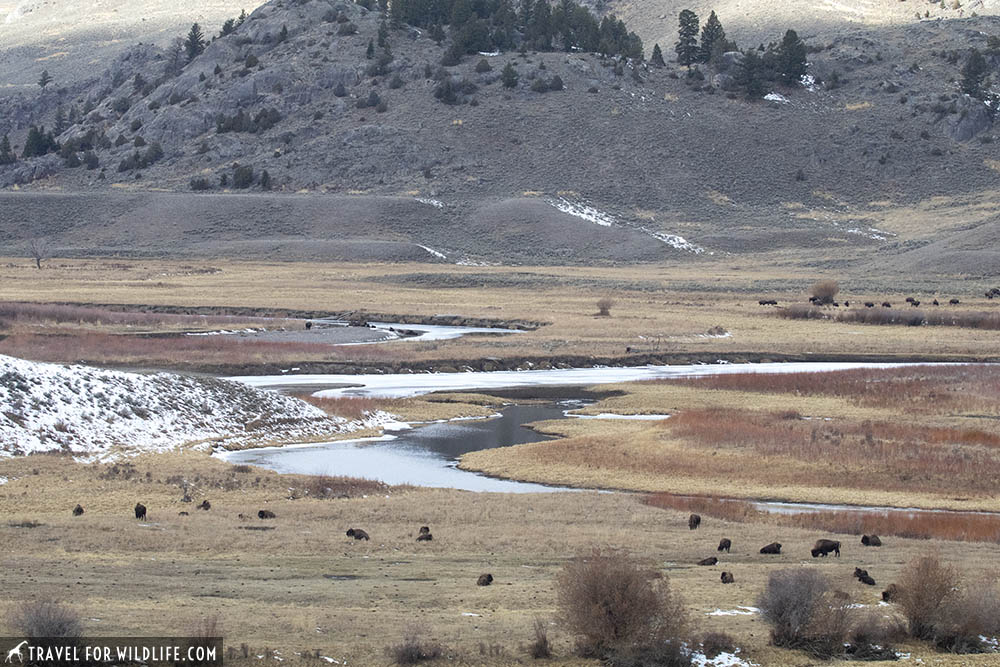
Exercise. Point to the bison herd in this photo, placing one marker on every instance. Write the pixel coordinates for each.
(816, 301)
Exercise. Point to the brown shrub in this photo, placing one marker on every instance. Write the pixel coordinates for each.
(714, 643)
(924, 586)
(413, 650)
(604, 307)
(327, 486)
(46, 618)
(872, 636)
(964, 617)
(825, 290)
(618, 608)
(802, 613)
(540, 647)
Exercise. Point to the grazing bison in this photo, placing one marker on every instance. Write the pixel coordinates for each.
(915, 303)
(694, 521)
(890, 593)
(205, 505)
(727, 578)
(909, 299)
(711, 560)
(823, 547)
(724, 544)
(858, 572)
(772, 548)
(869, 304)
(77, 511)
(484, 580)
(182, 513)
(424, 530)
(867, 580)
(140, 511)
(357, 533)
(424, 537)
(265, 514)
(871, 541)
(935, 303)
(954, 302)
(309, 325)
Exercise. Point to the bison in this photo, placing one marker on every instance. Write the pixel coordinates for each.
(309, 325)
(484, 580)
(205, 505)
(424, 530)
(954, 302)
(140, 511)
(78, 510)
(909, 299)
(182, 513)
(711, 560)
(823, 547)
(867, 580)
(424, 537)
(357, 534)
(886, 304)
(265, 514)
(858, 572)
(694, 521)
(915, 304)
(871, 541)
(772, 548)
(724, 544)
(727, 578)
(890, 593)
(935, 303)
(869, 304)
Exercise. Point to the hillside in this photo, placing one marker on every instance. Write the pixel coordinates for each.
(95, 413)
(676, 165)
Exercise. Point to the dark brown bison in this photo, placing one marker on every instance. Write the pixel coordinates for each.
(484, 580)
(711, 560)
(182, 513)
(309, 325)
(140, 511)
(727, 578)
(694, 521)
(867, 580)
(890, 593)
(77, 511)
(357, 534)
(858, 572)
(724, 544)
(772, 548)
(935, 303)
(886, 304)
(954, 302)
(265, 514)
(205, 505)
(871, 541)
(424, 530)
(424, 537)
(823, 547)
(869, 304)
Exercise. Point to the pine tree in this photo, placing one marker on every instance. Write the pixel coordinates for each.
(228, 27)
(438, 34)
(687, 42)
(750, 75)
(791, 58)
(711, 33)
(509, 76)
(973, 74)
(370, 51)
(283, 34)
(657, 57)
(45, 79)
(7, 155)
(194, 45)
(241, 18)
(60, 120)
(383, 34)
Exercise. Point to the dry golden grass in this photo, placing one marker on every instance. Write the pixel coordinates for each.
(305, 587)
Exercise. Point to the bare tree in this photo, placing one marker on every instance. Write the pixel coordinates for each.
(39, 250)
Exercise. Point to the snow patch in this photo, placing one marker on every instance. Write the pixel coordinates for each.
(439, 255)
(739, 611)
(808, 82)
(776, 97)
(722, 659)
(675, 241)
(96, 414)
(3, 480)
(225, 332)
(489, 53)
(430, 202)
(584, 212)
(612, 415)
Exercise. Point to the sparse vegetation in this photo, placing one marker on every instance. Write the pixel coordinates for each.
(797, 605)
(824, 291)
(46, 618)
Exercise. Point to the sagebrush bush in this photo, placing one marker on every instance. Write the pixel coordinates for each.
(924, 586)
(825, 290)
(540, 646)
(620, 609)
(46, 618)
(802, 614)
(604, 306)
(412, 650)
(964, 617)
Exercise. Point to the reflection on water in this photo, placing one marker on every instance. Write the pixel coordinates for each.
(424, 456)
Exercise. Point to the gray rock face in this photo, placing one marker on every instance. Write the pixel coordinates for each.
(972, 118)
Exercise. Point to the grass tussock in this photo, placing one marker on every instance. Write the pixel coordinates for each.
(414, 650)
(958, 526)
(46, 618)
(348, 407)
(35, 314)
(540, 647)
(910, 317)
(330, 486)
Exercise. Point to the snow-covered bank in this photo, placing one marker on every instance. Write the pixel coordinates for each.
(399, 385)
(92, 413)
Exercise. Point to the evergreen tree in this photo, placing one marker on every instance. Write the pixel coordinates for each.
(438, 34)
(60, 120)
(657, 57)
(687, 42)
(540, 32)
(973, 74)
(383, 34)
(45, 79)
(283, 34)
(39, 143)
(750, 75)
(228, 27)
(241, 18)
(370, 51)
(509, 76)
(175, 58)
(711, 33)
(7, 155)
(790, 58)
(195, 42)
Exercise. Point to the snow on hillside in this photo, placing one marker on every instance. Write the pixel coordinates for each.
(92, 412)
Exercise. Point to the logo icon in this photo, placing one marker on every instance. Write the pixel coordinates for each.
(16, 651)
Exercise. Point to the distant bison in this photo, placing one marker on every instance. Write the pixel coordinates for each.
(767, 302)
(935, 303)
(890, 593)
(867, 580)
(858, 572)
(205, 505)
(886, 304)
(823, 547)
(424, 537)
(309, 325)
(424, 530)
(871, 541)
(711, 560)
(910, 299)
(915, 304)
(265, 514)
(694, 521)
(869, 304)
(77, 511)
(954, 302)
(357, 534)
(484, 580)
(724, 544)
(772, 548)
(140, 511)
(182, 513)
(727, 578)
